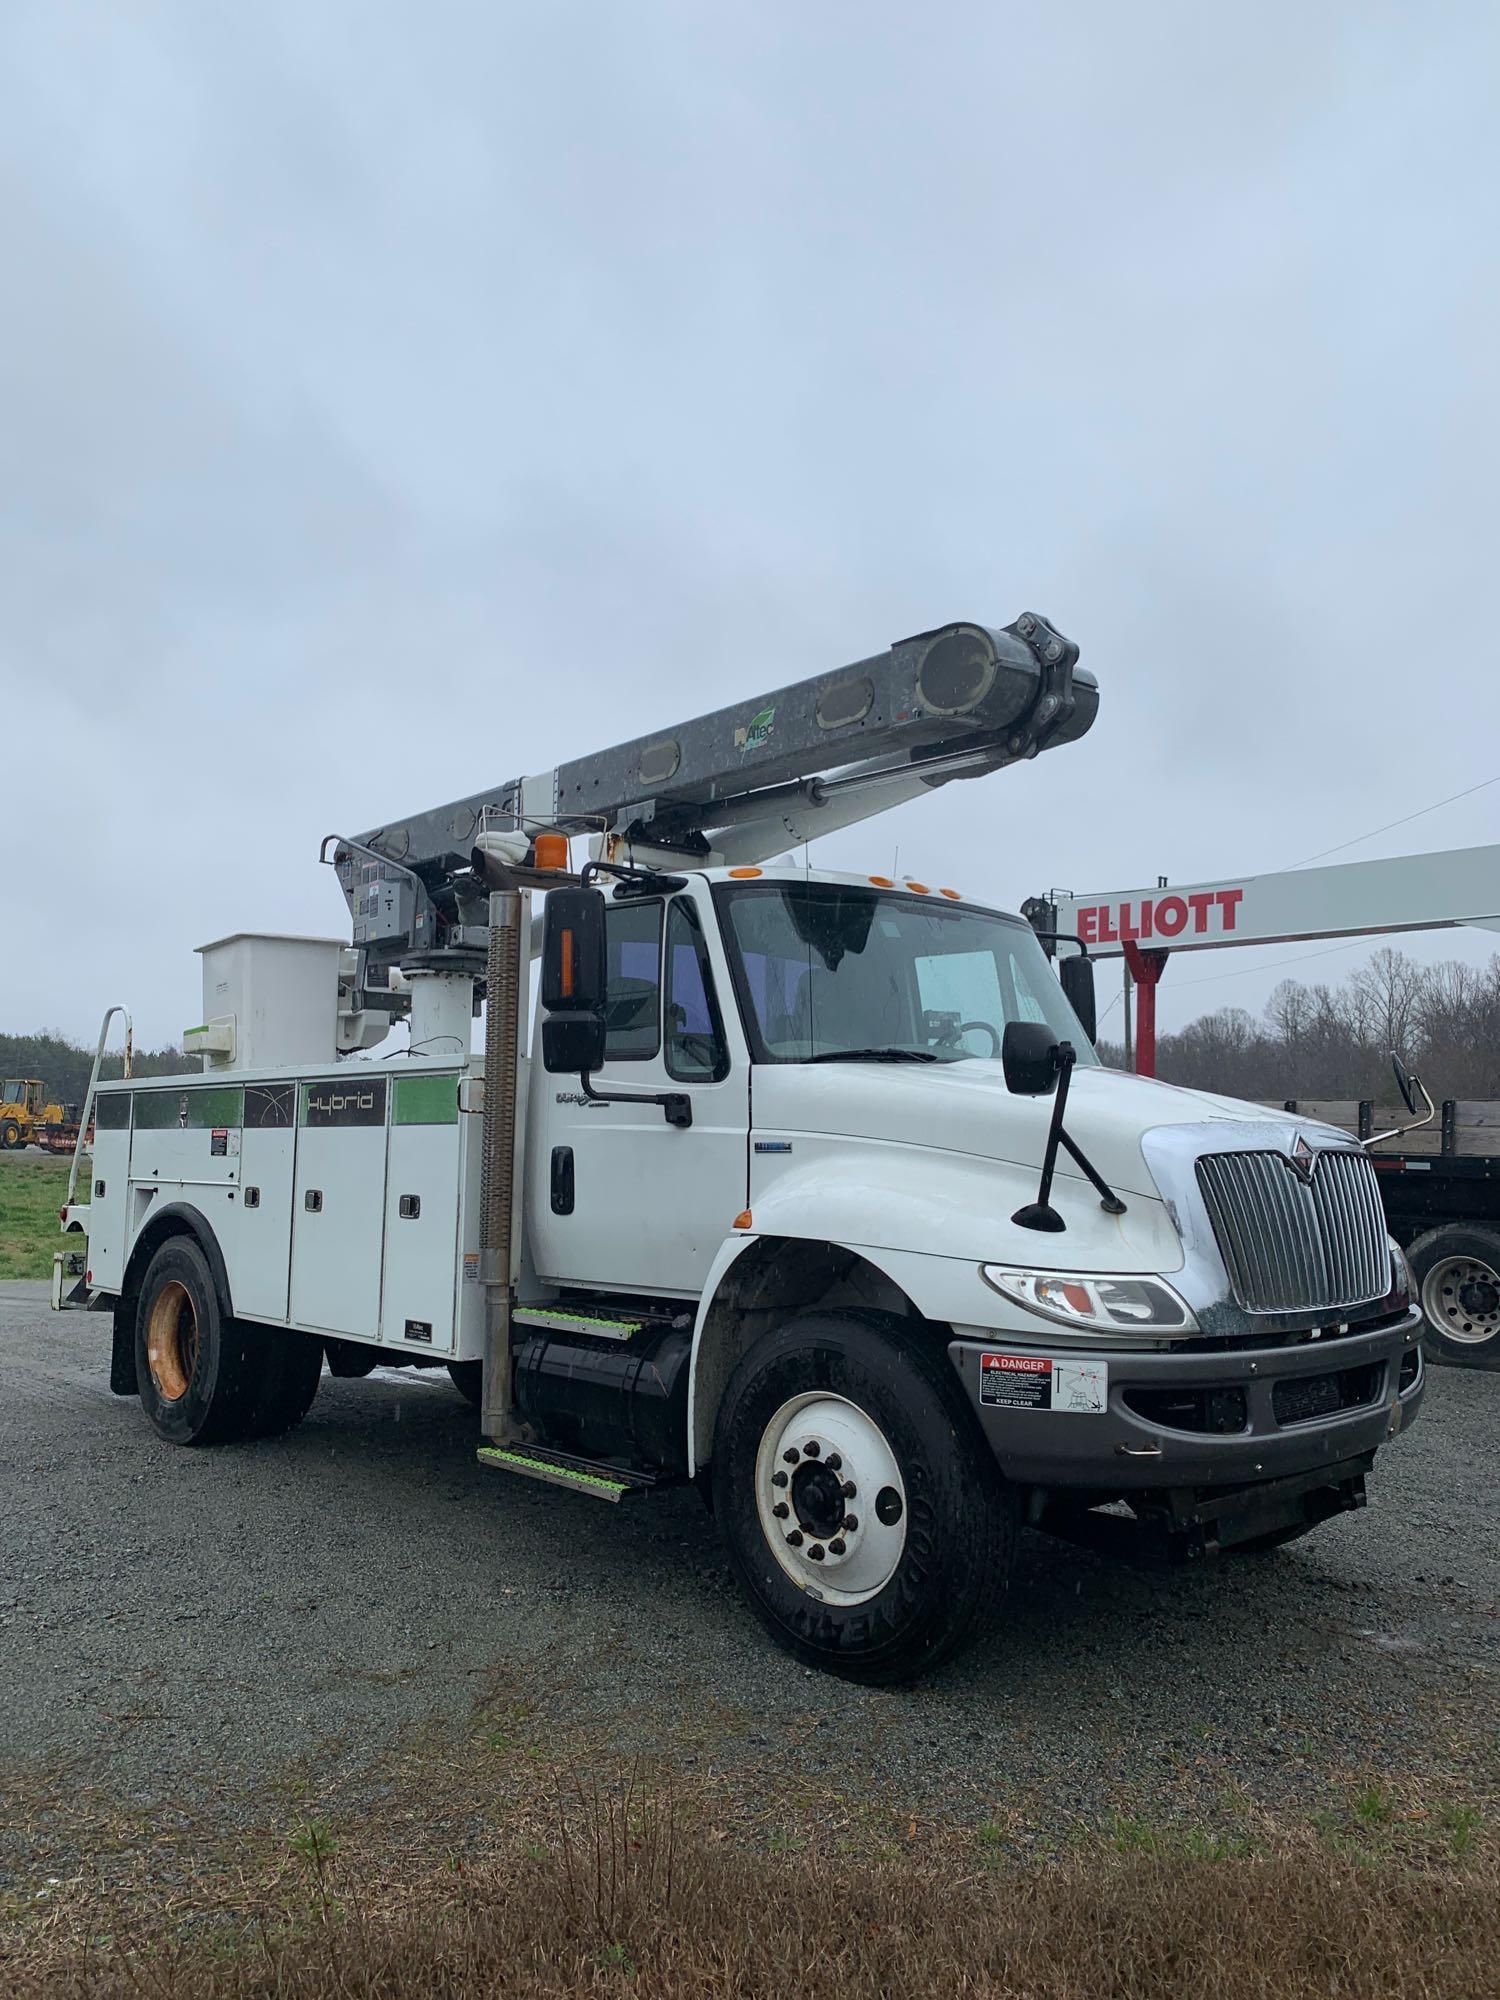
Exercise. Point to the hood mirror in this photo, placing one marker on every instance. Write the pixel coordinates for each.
(1032, 1056)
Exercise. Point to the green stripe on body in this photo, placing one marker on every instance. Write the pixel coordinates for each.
(203, 1108)
(426, 1100)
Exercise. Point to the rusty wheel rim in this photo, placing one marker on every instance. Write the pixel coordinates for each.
(172, 1341)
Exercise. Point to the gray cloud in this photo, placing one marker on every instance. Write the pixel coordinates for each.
(395, 400)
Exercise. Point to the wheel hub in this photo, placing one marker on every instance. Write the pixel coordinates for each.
(172, 1341)
(1461, 1298)
(831, 1498)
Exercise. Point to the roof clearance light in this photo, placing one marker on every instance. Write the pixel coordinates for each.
(953, 895)
(882, 881)
(918, 888)
(745, 874)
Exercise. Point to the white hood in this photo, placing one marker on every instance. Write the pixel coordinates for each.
(965, 1108)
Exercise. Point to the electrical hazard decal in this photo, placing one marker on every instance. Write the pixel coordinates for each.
(1043, 1382)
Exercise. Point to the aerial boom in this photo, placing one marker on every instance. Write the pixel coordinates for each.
(737, 785)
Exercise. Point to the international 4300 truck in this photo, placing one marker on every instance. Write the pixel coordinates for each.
(804, 1186)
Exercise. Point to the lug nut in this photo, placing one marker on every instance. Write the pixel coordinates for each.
(778, 1479)
(851, 1524)
(813, 1447)
(837, 1546)
(834, 1462)
(790, 1454)
(781, 1510)
(794, 1539)
(816, 1552)
(847, 1489)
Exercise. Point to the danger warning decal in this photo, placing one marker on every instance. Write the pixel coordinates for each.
(1043, 1382)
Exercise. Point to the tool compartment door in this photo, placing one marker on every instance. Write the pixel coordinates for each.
(421, 1213)
(338, 1205)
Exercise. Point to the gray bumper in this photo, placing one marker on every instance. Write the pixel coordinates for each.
(1137, 1429)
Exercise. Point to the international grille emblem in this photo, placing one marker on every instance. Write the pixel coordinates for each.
(1302, 1160)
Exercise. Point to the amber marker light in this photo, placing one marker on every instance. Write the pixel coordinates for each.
(953, 895)
(565, 966)
(552, 850)
(745, 874)
(882, 881)
(744, 1220)
(918, 888)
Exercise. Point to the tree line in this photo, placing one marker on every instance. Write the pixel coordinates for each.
(1325, 1041)
(64, 1066)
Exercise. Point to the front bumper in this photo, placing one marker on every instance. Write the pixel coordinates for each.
(1277, 1412)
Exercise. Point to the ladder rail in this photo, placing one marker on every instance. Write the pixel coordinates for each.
(88, 1103)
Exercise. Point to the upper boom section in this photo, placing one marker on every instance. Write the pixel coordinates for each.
(744, 782)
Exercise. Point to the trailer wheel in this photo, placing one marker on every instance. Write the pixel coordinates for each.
(864, 1515)
(192, 1364)
(10, 1135)
(1457, 1269)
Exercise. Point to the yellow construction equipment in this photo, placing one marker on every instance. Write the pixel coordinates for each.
(27, 1120)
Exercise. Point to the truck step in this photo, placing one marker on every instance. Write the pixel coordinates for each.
(601, 1324)
(600, 1482)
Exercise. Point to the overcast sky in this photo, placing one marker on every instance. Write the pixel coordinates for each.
(396, 399)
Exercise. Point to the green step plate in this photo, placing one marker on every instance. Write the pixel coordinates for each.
(592, 1483)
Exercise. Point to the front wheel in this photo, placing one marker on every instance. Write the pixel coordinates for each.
(10, 1135)
(864, 1516)
(1457, 1269)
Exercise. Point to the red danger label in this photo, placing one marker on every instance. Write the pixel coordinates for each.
(1043, 1382)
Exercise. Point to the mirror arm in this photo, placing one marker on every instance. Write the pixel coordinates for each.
(1040, 1214)
(1400, 1131)
(677, 1106)
(1109, 1201)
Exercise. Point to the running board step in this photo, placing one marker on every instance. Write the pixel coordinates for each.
(600, 1482)
(602, 1325)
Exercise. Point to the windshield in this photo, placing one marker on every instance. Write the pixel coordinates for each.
(828, 971)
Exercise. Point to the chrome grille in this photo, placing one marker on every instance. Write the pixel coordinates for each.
(1296, 1246)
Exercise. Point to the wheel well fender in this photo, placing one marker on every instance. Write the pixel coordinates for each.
(178, 1218)
(755, 1282)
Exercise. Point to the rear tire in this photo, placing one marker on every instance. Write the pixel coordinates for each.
(1457, 1269)
(846, 1434)
(192, 1363)
(289, 1367)
(468, 1378)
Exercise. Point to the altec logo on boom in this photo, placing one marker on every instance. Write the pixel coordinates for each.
(1210, 913)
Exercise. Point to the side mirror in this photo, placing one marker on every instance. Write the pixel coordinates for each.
(1076, 977)
(574, 979)
(1032, 1055)
(1406, 1083)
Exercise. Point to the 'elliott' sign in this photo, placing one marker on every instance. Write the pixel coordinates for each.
(1406, 892)
(1163, 918)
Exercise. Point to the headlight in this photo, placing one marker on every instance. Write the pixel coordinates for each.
(1098, 1303)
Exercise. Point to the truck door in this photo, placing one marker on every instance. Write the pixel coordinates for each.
(616, 1197)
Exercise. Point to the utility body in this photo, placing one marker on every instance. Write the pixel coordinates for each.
(804, 1186)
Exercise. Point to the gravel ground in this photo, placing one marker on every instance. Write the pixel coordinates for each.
(177, 1624)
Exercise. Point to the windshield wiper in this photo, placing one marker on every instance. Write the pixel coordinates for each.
(873, 1055)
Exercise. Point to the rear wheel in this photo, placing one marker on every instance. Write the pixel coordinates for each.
(288, 1366)
(468, 1378)
(191, 1362)
(1457, 1269)
(864, 1515)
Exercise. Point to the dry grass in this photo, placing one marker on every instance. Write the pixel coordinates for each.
(622, 1886)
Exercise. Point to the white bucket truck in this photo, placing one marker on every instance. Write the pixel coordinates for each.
(811, 1190)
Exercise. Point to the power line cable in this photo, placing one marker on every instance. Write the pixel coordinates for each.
(1420, 813)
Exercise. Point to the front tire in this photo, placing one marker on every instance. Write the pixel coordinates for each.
(10, 1135)
(1457, 1269)
(863, 1513)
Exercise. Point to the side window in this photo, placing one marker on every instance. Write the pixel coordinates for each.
(695, 1036)
(632, 1001)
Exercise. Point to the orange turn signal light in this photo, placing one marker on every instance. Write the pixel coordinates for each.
(551, 850)
(743, 1220)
